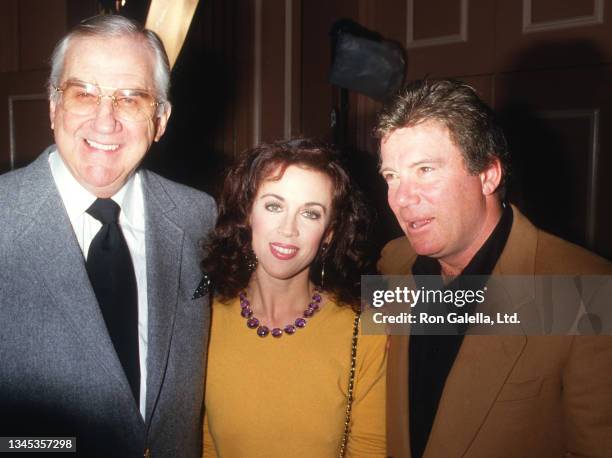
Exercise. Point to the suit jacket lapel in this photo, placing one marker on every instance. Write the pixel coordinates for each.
(398, 412)
(163, 241)
(484, 362)
(58, 260)
(480, 370)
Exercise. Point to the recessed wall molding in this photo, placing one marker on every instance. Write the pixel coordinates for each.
(529, 26)
(593, 148)
(12, 100)
(288, 108)
(460, 37)
(257, 53)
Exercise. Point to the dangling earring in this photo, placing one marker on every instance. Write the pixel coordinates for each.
(323, 249)
(252, 261)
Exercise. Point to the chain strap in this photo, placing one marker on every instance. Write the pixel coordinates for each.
(349, 400)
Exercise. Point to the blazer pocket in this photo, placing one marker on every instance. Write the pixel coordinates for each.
(517, 391)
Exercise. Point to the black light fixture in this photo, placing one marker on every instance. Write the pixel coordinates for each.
(362, 62)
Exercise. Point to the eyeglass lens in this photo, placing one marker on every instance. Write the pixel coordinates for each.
(129, 104)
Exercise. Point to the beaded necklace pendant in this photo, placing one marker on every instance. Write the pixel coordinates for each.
(263, 331)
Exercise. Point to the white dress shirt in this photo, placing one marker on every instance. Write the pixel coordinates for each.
(132, 222)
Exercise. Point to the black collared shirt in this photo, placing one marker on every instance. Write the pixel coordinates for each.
(432, 356)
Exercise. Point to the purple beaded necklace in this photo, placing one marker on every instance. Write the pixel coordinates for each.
(263, 331)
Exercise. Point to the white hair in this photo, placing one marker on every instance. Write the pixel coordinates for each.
(114, 26)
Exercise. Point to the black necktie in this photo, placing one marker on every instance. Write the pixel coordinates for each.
(111, 272)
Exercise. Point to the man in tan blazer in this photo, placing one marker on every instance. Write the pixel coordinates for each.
(445, 160)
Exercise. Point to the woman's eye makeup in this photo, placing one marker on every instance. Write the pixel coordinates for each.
(311, 214)
(273, 206)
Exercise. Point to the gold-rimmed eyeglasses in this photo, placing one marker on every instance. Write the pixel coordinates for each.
(81, 98)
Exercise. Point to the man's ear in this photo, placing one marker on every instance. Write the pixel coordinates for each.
(162, 121)
(491, 177)
(52, 107)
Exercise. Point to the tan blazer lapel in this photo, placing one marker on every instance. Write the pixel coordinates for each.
(518, 256)
(484, 363)
(398, 414)
(478, 375)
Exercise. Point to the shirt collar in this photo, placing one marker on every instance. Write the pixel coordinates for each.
(130, 200)
(77, 199)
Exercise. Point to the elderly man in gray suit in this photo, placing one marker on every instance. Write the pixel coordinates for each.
(102, 336)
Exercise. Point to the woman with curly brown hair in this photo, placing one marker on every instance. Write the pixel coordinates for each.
(289, 373)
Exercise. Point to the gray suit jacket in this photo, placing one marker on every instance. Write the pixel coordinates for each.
(59, 373)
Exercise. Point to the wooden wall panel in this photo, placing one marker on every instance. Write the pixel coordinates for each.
(317, 93)
(227, 35)
(41, 24)
(39, 133)
(483, 84)
(9, 37)
(555, 123)
(432, 20)
(388, 19)
(468, 53)
(603, 190)
(293, 104)
(30, 30)
(77, 10)
(556, 180)
(271, 108)
(552, 42)
(242, 69)
(542, 11)
(28, 114)
(213, 97)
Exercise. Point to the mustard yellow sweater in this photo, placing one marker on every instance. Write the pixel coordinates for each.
(286, 397)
